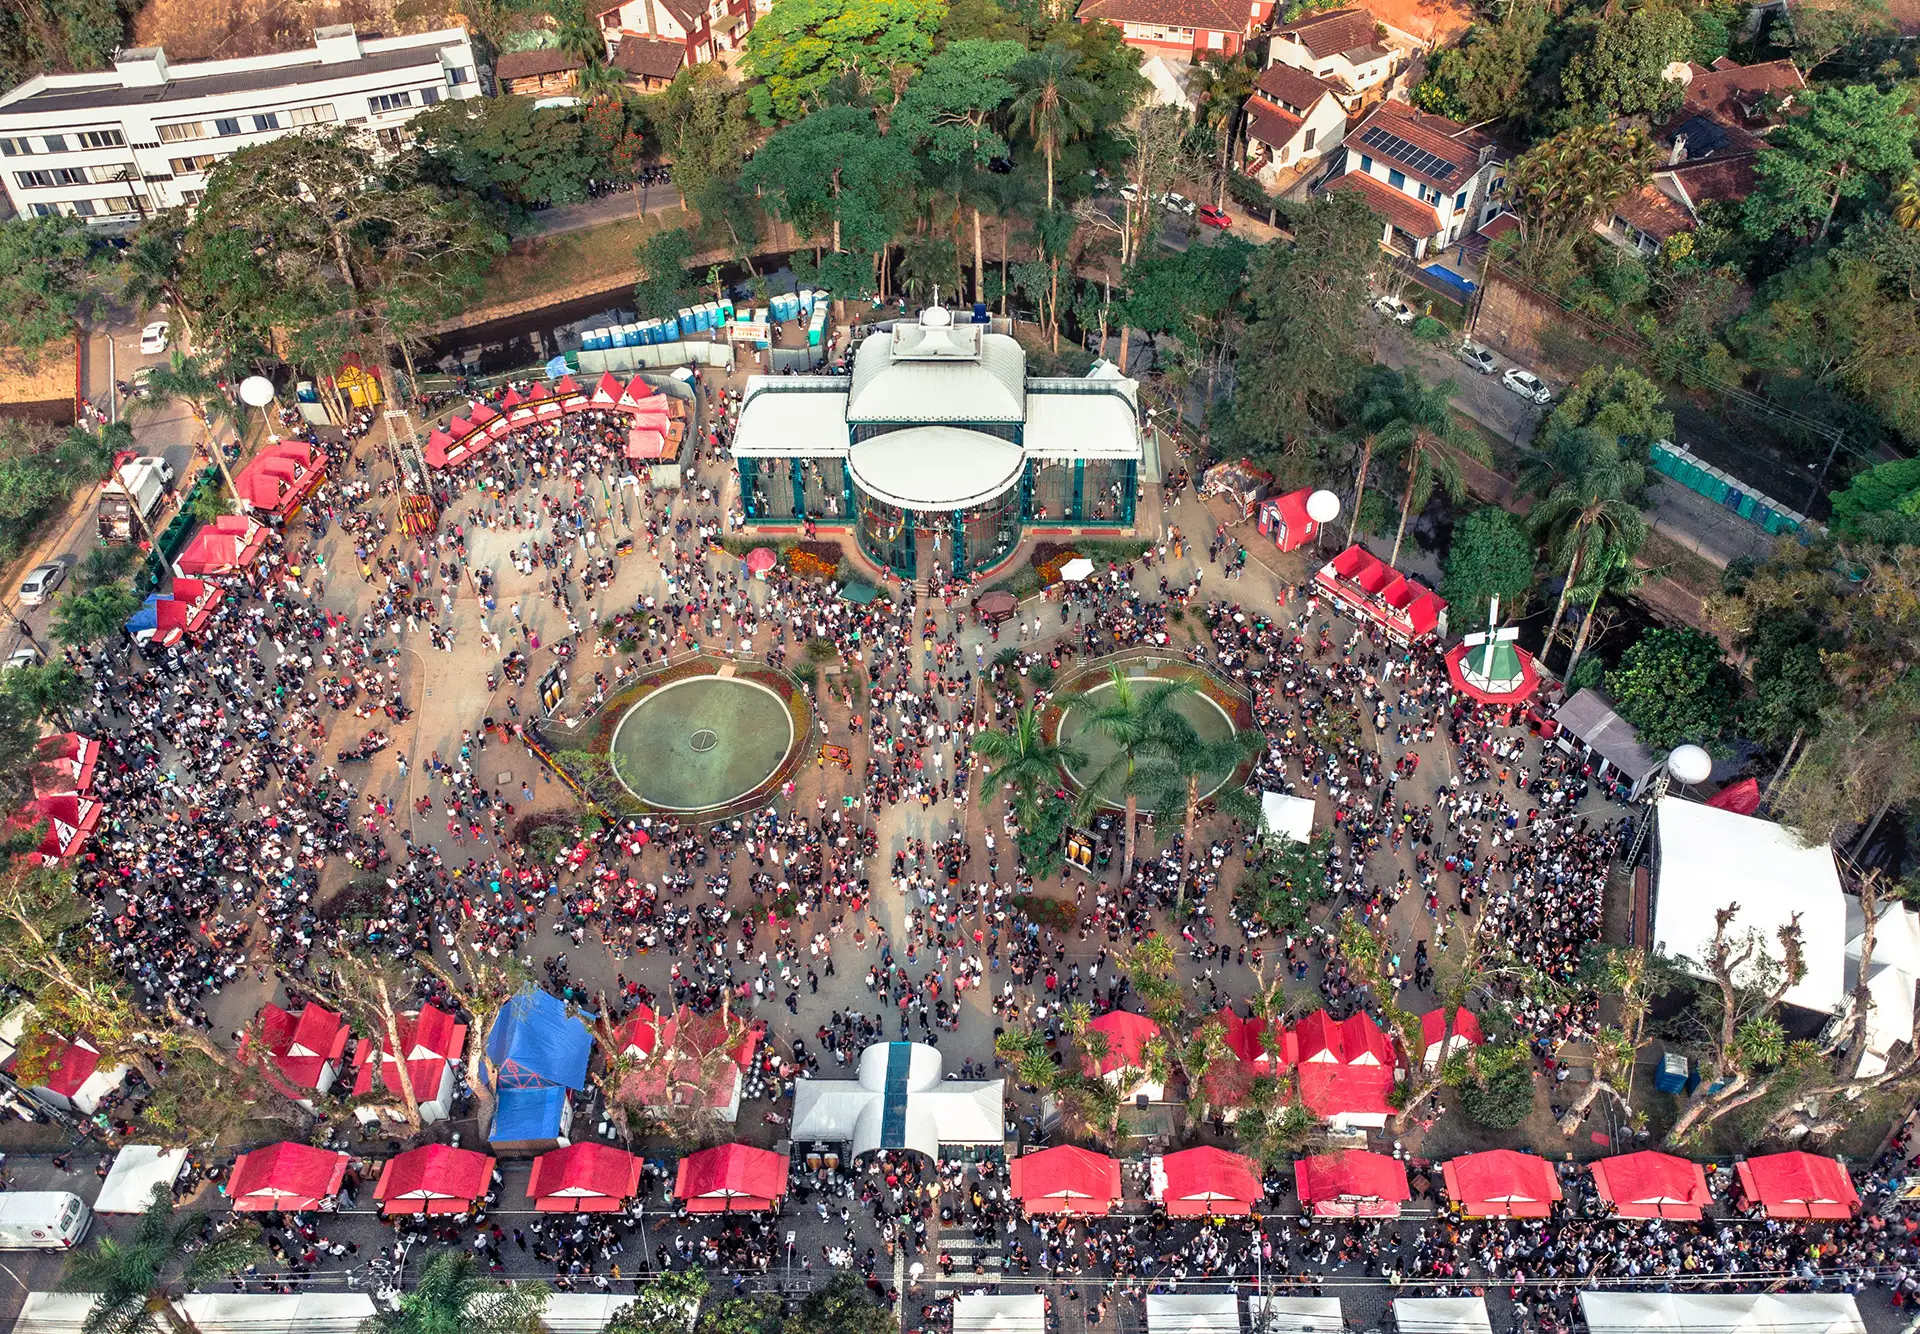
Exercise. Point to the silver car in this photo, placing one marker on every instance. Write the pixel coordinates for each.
(1479, 358)
(1527, 385)
(38, 586)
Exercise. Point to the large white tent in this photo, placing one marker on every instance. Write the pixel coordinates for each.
(1193, 1313)
(1286, 817)
(899, 1101)
(1294, 1315)
(136, 1170)
(1712, 859)
(1721, 1313)
(999, 1313)
(1894, 973)
(215, 1312)
(1441, 1315)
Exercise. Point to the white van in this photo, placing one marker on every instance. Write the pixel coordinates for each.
(42, 1220)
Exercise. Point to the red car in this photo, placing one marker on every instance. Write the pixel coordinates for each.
(1212, 217)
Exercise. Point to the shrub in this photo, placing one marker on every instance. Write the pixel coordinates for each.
(1429, 330)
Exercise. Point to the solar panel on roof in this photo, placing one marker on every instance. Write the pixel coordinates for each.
(1412, 157)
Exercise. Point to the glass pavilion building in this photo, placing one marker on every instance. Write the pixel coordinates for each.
(939, 447)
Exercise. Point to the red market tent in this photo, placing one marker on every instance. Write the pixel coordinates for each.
(280, 476)
(1206, 1180)
(1345, 1068)
(1797, 1185)
(227, 544)
(1436, 1033)
(72, 757)
(583, 1178)
(284, 1176)
(1286, 521)
(306, 1048)
(645, 443)
(1742, 798)
(1501, 1183)
(433, 1179)
(636, 391)
(69, 817)
(1354, 1184)
(730, 1178)
(1652, 1185)
(1368, 587)
(1065, 1180)
(1127, 1035)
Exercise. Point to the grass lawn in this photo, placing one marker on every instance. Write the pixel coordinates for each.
(1691, 571)
(551, 264)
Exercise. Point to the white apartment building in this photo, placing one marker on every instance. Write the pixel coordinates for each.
(120, 144)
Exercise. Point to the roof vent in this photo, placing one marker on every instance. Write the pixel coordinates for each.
(337, 45)
(142, 67)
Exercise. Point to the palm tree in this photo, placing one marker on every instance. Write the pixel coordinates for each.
(1137, 723)
(1588, 509)
(130, 1277)
(1052, 100)
(1425, 433)
(1225, 86)
(1905, 203)
(452, 1296)
(1190, 758)
(1022, 759)
(1613, 571)
(194, 381)
(1013, 196)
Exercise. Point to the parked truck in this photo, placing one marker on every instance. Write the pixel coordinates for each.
(137, 482)
(42, 1220)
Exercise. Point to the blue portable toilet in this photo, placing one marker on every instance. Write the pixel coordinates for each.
(726, 310)
(1671, 1075)
(980, 315)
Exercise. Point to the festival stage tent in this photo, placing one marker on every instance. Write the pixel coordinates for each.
(899, 1101)
(1706, 860)
(279, 477)
(136, 1170)
(70, 756)
(999, 1313)
(1643, 1312)
(227, 544)
(433, 1179)
(592, 1312)
(1502, 1183)
(1351, 1184)
(1205, 1180)
(433, 1041)
(1797, 1185)
(285, 1176)
(1294, 1315)
(1368, 587)
(729, 1178)
(1441, 1315)
(585, 1178)
(1064, 1180)
(1124, 1063)
(535, 1043)
(1652, 1185)
(1440, 1041)
(1286, 817)
(1193, 1313)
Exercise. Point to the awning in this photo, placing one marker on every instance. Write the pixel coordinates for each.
(1286, 817)
(1501, 1183)
(583, 1178)
(1652, 1185)
(999, 1313)
(285, 1176)
(1294, 1315)
(1193, 1313)
(1355, 1184)
(137, 1170)
(1798, 1185)
(1205, 1180)
(1065, 1179)
(433, 1179)
(1441, 1315)
(730, 1177)
(1721, 1312)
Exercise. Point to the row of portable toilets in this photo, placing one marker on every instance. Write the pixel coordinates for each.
(1679, 463)
(717, 317)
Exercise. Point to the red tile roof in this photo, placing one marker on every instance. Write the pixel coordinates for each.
(1334, 32)
(1650, 211)
(1454, 144)
(648, 57)
(1729, 182)
(1206, 15)
(1295, 89)
(1270, 125)
(1733, 93)
(533, 64)
(1402, 210)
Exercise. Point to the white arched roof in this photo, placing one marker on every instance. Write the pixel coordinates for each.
(989, 388)
(935, 467)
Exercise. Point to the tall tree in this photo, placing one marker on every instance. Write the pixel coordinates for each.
(1621, 70)
(1021, 759)
(797, 48)
(1840, 144)
(1051, 101)
(196, 382)
(1135, 721)
(834, 176)
(50, 278)
(1491, 556)
(1587, 507)
(452, 1296)
(1560, 187)
(1422, 432)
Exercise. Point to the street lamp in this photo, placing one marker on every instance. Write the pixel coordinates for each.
(1323, 507)
(256, 391)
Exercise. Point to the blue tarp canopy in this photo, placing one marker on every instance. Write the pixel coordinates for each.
(536, 1043)
(1464, 287)
(528, 1114)
(146, 618)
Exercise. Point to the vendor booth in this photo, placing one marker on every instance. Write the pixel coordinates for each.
(433, 1179)
(1797, 1185)
(1441, 1315)
(1065, 1180)
(731, 1178)
(584, 1178)
(1364, 586)
(1284, 519)
(1286, 818)
(285, 1176)
(1643, 1312)
(1652, 1185)
(138, 1169)
(1502, 1183)
(999, 1313)
(1193, 1313)
(1204, 1181)
(1354, 1184)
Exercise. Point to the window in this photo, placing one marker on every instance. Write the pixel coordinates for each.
(183, 166)
(110, 171)
(20, 147)
(101, 139)
(56, 143)
(1306, 145)
(270, 121)
(1396, 178)
(313, 115)
(190, 129)
(227, 125)
(51, 176)
(458, 75)
(83, 208)
(1460, 201)
(192, 197)
(1216, 41)
(388, 102)
(117, 204)
(46, 211)
(1366, 163)
(429, 96)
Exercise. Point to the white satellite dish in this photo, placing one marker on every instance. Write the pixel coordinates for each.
(1689, 764)
(1323, 507)
(256, 391)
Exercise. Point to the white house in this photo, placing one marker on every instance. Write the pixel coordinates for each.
(120, 144)
(1294, 118)
(1342, 47)
(1429, 181)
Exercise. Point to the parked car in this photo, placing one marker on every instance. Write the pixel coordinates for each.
(1527, 385)
(153, 338)
(24, 656)
(1130, 192)
(38, 586)
(1175, 202)
(1479, 358)
(1396, 310)
(1212, 217)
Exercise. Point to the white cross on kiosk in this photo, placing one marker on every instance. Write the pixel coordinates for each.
(1493, 636)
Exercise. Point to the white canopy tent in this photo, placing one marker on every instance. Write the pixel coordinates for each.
(1283, 816)
(1894, 974)
(1193, 1313)
(1710, 859)
(1294, 1315)
(999, 1313)
(590, 1312)
(1441, 1315)
(1721, 1313)
(900, 1101)
(215, 1312)
(136, 1170)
